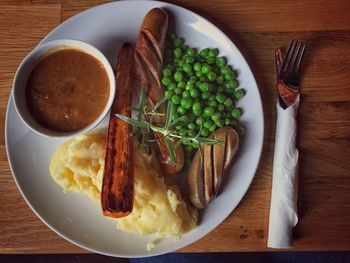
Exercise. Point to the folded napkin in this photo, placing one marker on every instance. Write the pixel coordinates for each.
(284, 194)
(283, 208)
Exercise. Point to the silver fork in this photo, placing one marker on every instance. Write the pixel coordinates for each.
(290, 69)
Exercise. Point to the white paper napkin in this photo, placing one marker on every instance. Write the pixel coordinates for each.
(283, 208)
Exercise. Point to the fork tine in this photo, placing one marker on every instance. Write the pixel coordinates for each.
(295, 54)
(300, 58)
(288, 56)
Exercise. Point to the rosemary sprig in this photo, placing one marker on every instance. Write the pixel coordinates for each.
(172, 138)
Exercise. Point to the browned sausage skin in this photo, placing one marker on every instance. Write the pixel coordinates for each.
(148, 59)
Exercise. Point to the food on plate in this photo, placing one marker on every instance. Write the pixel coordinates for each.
(131, 176)
(67, 90)
(203, 88)
(198, 104)
(118, 177)
(209, 165)
(149, 49)
(78, 165)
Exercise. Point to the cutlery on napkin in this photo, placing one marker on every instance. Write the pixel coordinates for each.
(283, 207)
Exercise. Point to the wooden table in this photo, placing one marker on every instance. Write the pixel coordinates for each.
(257, 28)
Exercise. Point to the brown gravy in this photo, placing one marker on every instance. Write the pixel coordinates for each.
(67, 90)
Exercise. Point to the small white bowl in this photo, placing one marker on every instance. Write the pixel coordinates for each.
(26, 67)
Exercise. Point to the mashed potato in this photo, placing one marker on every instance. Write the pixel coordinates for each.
(77, 165)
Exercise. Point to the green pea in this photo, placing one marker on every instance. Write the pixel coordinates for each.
(227, 121)
(193, 79)
(181, 85)
(236, 113)
(171, 86)
(168, 94)
(211, 76)
(229, 108)
(224, 69)
(166, 72)
(220, 98)
(208, 123)
(221, 107)
(230, 91)
(205, 95)
(211, 60)
(190, 60)
(181, 63)
(212, 128)
(197, 113)
(189, 86)
(191, 133)
(166, 81)
(176, 99)
(232, 84)
(197, 66)
(186, 103)
(180, 110)
(187, 67)
(212, 97)
(206, 68)
(213, 103)
(194, 93)
(190, 52)
(219, 123)
(209, 111)
(220, 61)
(186, 94)
(199, 121)
(178, 127)
(205, 132)
(178, 76)
(191, 126)
(198, 74)
(196, 107)
(220, 80)
(177, 52)
(182, 132)
(216, 117)
(241, 130)
(204, 52)
(204, 87)
(213, 52)
(228, 76)
(239, 94)
(178, 91)
(228, 102)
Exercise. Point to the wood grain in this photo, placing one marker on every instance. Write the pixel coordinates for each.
(257, 28)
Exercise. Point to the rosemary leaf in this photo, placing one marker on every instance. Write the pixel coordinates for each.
(169, 113)
(169, 144)
(208, 141)
(137, 123)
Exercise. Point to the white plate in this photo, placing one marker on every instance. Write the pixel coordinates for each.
(74, 216)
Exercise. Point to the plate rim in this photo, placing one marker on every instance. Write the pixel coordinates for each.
(149, 253)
